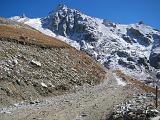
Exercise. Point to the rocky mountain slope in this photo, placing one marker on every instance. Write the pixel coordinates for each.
(33, 65)
(132, 48)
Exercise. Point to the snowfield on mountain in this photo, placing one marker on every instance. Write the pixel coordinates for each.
(132, 48)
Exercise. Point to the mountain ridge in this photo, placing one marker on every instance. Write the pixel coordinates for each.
(132, 48)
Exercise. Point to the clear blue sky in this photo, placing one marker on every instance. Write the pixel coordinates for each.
(121, 11)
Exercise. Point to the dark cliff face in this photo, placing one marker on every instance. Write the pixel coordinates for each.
(155, 60)
(69, 22)
(155, 53)
(141, 39)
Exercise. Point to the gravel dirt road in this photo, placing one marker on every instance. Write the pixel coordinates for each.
(87, 103)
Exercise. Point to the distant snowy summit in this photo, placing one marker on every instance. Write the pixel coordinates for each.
(133, 48)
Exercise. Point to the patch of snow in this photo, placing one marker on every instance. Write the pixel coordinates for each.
(73, 43)
(120, 81)
(36, 23)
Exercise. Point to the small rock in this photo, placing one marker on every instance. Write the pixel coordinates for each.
(83, 114)
(15, 62)
(36, 63)
(32, 102)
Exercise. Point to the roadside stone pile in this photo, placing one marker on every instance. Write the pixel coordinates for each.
(141, 107)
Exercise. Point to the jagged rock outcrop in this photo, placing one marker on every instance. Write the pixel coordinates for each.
(70, 22)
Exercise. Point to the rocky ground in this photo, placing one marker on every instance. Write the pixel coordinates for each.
(87, 103)
(140, 107)
(107, 101)
(34, 66)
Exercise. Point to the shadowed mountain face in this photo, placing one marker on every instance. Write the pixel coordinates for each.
(132, 48)
(33, 65)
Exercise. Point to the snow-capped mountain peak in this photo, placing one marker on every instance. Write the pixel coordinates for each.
(131, 48)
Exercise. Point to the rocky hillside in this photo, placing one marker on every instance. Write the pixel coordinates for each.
(33, 65)
(132, 48)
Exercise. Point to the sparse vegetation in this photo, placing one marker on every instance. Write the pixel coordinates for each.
(33, 65)
(136, 83)
(30, 37)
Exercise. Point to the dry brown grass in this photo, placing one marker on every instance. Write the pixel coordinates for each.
(4, 21)
(136, 83)
(34, 37)
(86, 61)
(28, 36)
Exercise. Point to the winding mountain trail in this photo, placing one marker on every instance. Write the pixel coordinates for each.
(87, 103)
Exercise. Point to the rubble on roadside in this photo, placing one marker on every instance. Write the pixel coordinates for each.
(140, 107)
